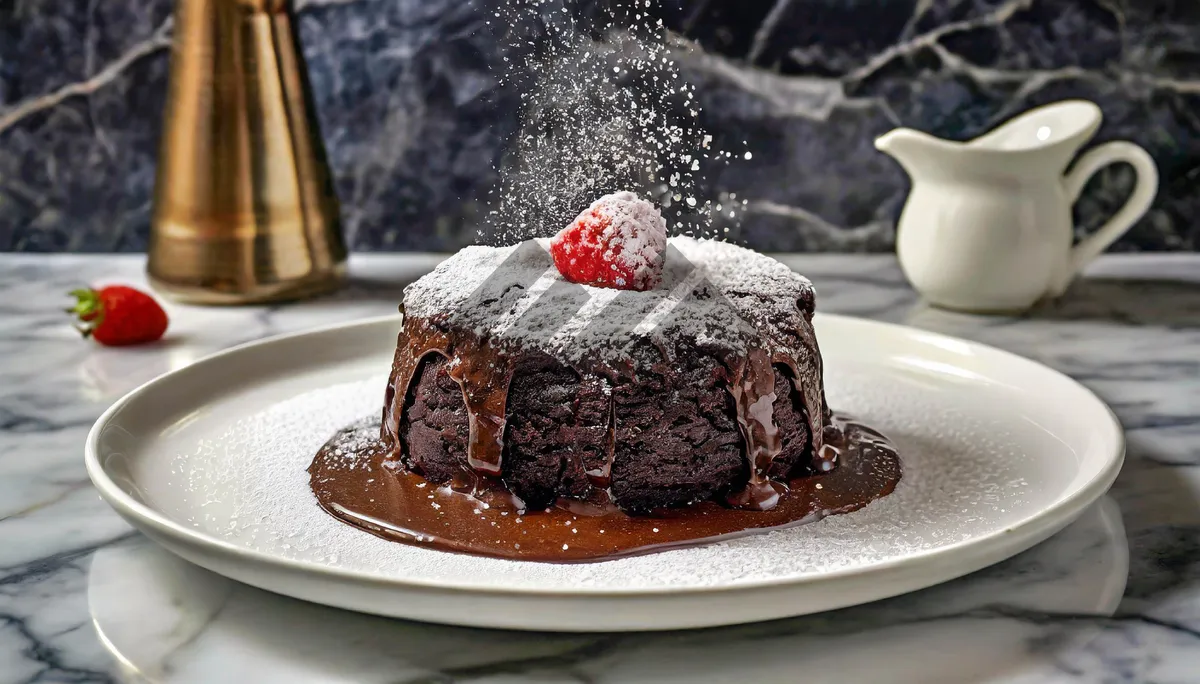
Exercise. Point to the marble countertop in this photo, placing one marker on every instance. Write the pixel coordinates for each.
(1115, 597)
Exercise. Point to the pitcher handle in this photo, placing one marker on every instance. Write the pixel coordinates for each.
(1135, 207)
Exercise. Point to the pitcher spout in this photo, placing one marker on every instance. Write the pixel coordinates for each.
(917, 152)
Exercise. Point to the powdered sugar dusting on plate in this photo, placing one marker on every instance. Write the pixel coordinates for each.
(963, 477)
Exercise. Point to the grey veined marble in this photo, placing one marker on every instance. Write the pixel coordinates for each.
(416, 120)
(1115, 597)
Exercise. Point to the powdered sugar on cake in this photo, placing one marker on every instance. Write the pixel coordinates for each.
(719, 295)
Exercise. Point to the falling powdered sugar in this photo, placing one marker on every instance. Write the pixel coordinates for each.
(603, 108)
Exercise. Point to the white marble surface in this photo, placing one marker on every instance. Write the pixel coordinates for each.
(1114, 598)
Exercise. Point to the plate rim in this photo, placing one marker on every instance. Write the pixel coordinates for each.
(1054, 516)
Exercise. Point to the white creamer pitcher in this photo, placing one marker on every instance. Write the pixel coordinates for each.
(987, 226)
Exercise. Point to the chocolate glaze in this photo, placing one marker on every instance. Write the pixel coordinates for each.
(355, 479)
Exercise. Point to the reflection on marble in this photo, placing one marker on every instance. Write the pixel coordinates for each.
(415, 118)
(167, 620)
(1067, 610)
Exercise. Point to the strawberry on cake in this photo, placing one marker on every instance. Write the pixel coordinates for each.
(619, 242)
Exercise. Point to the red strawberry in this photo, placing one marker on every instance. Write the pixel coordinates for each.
(617, 242)
(117, 315)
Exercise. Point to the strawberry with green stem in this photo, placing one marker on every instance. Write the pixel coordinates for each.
(118, 315)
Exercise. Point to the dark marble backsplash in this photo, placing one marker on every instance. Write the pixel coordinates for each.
(415, 121)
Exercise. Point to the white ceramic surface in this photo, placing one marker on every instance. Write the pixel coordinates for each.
(1000, 453)
(988, 227)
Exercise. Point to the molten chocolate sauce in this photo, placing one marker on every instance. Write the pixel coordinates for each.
(356, 480)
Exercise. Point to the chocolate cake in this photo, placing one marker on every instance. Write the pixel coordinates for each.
(603, 393)
(704, 385)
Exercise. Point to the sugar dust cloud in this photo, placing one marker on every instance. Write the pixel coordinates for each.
(603, 108)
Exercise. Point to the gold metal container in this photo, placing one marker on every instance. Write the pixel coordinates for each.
(244, 206)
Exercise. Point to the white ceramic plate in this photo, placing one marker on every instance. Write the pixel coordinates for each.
(999, 454)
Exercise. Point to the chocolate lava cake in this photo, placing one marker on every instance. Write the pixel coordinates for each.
(704, 383)
(603, 393)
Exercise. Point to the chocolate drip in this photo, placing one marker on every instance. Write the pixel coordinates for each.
(480, 370)
(753, 391)
(352, 482)
(752, 387)
(811, 385)
(816, 411)
(484, 384)
(601, 477)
